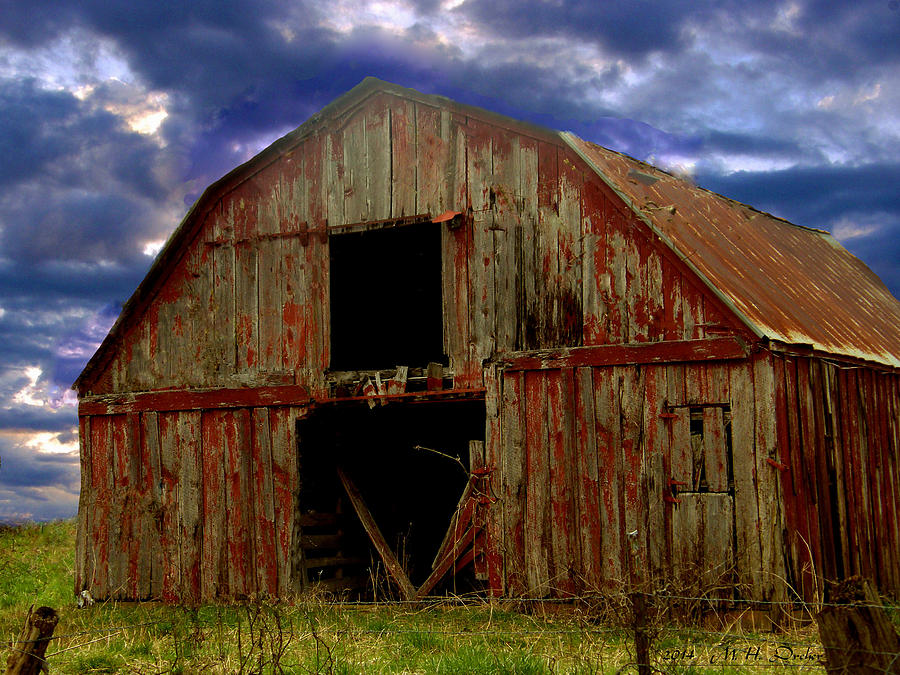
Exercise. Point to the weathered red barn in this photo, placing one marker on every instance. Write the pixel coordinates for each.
(643, 379)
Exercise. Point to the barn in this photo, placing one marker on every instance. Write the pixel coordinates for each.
(415, 347)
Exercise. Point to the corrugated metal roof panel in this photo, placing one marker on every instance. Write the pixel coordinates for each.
(789, 283)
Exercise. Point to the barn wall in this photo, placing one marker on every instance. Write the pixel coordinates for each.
(584, 455)
(547, 256)
(187, 505)
(839, 441)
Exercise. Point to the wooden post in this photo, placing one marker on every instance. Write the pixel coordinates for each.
(858, 636)
(638, 608)
(26, 655)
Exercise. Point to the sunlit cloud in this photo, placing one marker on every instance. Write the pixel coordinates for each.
(845, 230)
(151, 248)
(29, 394)
(51, 443)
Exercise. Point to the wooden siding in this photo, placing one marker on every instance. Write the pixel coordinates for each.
(839, 442)
(188, 505)
(547, 256)
(585, 455)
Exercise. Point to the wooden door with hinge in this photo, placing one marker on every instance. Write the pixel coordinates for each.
(700, 492)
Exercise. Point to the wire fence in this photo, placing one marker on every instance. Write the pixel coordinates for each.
(587, 633)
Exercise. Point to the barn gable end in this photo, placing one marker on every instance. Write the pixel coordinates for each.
(597, 377)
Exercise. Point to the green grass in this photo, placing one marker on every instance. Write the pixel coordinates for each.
(309, 635)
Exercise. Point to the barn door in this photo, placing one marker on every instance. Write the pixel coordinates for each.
(702, 497)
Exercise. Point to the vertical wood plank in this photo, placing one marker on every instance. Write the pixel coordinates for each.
(482, 303)
(170, 533)
(672, 328)
(609, 444)
(119, 517)
(594, 274)
(743, 429)
(213, 572)
(271, 211)
(432, 166)
(189, 501)
(241, 577)
(404, 160)
(714, 450)
(718, 549)
(378, 181)
(631, 410)
(655, 479)
(356, 208)
(223, 340)
(282, 422)
(246, 302)
(152, 556)
(333, 187)
(514, 482)
(570, 251)
(86, 497)
(493, 462)
(456, 280)
(770, 523)
(505, 228)
(264, 546)
(529, 286)
(102, 482)
(560, 428)
(537, 507)
(587, 484)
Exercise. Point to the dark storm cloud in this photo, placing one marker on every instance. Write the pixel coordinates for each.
(629, 29)
(814, 196)
(826, 39)
(30, 418)
(78, 344)
(839, 198)
(71, 225)
(56, 136)
(20, 466)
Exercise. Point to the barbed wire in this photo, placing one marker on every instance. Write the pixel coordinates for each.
(718, 639)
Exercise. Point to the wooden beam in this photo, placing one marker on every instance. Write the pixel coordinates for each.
(446, 563)
(186, 399)
(394, 568)
(459, 522)
(675, 351)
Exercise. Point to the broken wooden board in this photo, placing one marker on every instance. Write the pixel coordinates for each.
(394, 568)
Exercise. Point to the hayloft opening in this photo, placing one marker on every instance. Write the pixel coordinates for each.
(400, 460)
(386, 307)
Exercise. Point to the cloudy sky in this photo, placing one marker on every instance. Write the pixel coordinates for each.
(115, 115)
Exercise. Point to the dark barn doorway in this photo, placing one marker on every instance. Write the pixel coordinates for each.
(390, 453)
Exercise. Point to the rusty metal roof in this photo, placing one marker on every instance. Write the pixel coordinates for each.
(788, 283)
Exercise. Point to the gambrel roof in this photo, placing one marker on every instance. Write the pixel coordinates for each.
(786, 283)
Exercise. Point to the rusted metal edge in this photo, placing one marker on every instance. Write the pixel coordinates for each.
(198, 399)
(570, 140)
(782, 349)
(674, 351)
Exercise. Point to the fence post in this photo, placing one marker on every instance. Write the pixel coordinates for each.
(26, 655)
(856, 632)
(638, 607)
(641, 638)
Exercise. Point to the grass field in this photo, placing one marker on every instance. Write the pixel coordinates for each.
(311, 635)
